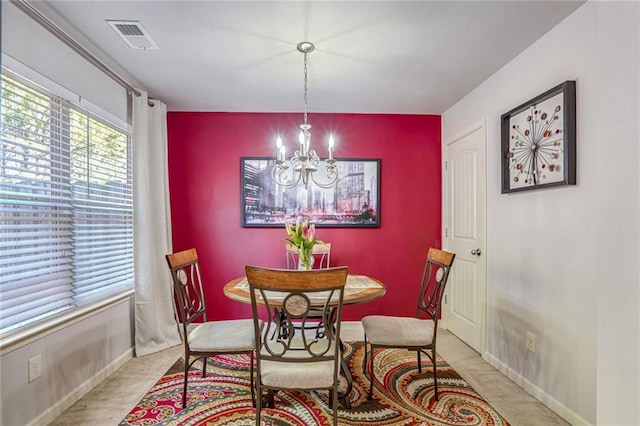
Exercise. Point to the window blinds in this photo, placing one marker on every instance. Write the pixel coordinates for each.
(66, 214)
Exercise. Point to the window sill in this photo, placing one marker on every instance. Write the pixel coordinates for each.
(30, 334)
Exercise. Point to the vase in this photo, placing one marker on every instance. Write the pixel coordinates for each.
(305, 260)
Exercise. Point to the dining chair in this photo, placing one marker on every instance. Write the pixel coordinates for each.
(296, 362)
(320, 251)
(412, 333)
(203, 338)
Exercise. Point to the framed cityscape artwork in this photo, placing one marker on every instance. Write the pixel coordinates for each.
(539, 141)
(353, 202)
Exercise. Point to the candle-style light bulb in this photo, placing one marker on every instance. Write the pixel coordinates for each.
(278, 148)
(302, 145)
(282, 151)
(332, 142)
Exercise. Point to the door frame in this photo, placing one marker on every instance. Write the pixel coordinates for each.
(482, 125)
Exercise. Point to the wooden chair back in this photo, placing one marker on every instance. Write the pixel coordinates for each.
(290, 296)
(189, 298)
(434, 280)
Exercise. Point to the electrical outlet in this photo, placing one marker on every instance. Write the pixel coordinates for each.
(531, 342)
(35, 368)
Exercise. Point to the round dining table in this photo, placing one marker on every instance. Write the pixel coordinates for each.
(358, 289)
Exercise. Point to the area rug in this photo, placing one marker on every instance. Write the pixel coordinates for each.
(402, 396)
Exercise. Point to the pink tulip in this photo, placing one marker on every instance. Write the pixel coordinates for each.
(304, 230)
(312, 233)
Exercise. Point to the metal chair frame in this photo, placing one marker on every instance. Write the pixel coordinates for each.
(434, 280)
(321, 250)
(286, 296)
(190, 309)
(323, 253)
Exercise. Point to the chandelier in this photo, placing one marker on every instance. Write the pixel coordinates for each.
(304, 162)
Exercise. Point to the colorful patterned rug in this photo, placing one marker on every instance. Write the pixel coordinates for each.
(402, 396)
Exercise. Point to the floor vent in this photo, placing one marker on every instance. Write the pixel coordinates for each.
(133, 34)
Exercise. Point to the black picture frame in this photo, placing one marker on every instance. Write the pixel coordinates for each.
(353, 202)
(538, 141)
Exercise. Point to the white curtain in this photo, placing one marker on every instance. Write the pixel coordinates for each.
(155, 327)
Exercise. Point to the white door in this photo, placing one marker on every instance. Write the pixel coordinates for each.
(464, 234)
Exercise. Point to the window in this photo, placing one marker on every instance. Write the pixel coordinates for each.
(66, 208)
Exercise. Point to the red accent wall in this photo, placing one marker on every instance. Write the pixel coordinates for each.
(204, 176)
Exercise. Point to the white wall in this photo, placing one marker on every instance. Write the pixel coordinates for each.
(77, 357)
(563, 262)
(25, 40)
(74, 360)
(618, 227)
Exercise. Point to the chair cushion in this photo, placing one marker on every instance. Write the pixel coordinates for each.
(397, 331)
(302, 375)
(298, 375)
(223, 336)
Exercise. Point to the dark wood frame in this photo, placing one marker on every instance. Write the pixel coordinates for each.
(252, 190)
(568, 89)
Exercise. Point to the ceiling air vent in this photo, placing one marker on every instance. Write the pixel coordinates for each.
(133, 34)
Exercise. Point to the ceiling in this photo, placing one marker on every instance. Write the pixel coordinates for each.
(418, 57)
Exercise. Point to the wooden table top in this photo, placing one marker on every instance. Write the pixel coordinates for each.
(358, 289)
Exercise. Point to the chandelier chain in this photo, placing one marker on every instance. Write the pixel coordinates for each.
(305, 88)
(303, 164)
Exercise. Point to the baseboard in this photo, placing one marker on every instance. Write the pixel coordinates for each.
(58, 408)
(553, 404)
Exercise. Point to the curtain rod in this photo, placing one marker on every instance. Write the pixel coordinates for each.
(45, 22)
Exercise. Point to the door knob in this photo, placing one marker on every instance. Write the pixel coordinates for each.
(476, 252)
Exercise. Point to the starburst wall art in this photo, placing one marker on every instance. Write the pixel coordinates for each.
(539, 141)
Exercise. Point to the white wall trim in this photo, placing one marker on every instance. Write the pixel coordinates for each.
(30, 74)
(72, 397)
(480, 124)
(22, 337)
(563, 411)
(477, 125)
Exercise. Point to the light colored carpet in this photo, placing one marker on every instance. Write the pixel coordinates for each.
(109, 402)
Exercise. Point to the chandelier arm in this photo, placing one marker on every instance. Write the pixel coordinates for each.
(332, 174)
(313, 159)
(276, 176)
(297, 161)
